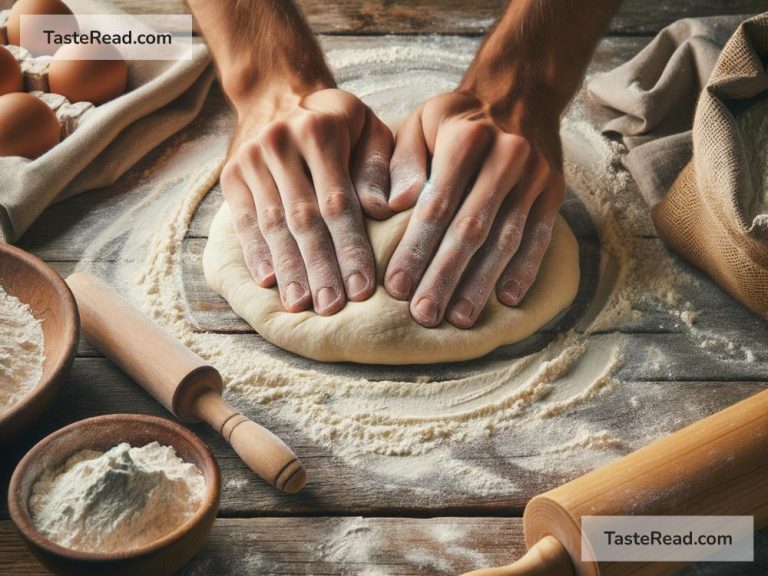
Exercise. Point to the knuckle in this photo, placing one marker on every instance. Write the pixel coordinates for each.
(318, 126)
(437, 209)
(303, 218)
(254, 250)
(288, 265)
(272, 220)
(471, 230)
(245, 221)
(356, 255)
(514, 145)
(251, 152)
(475, 134)
(337, 203)
(274, 136)
(510, 235)
(322, 266)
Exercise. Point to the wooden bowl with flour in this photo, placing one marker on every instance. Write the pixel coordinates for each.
(158, 557)
(36, 285)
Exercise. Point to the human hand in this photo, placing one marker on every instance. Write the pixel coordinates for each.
(483, 212)
(296, 181)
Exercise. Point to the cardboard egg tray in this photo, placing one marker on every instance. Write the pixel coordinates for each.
(34, 69)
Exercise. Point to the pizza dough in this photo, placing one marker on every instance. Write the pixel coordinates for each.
(381, 330)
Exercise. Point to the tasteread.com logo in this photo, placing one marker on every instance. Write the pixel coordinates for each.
(667, 538)
(110, 37)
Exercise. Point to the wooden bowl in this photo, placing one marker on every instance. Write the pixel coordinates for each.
(101, 433)
(36, 284)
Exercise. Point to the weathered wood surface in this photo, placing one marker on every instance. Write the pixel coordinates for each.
(97, 387)
(692, 384)
(356, 546)
(462, 16)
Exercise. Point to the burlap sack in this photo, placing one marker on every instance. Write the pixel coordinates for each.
(703, 215)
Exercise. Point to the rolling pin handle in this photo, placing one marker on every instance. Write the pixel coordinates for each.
(548, 557)
(260, 449)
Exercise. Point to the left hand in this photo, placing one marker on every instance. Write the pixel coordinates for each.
(484, 210)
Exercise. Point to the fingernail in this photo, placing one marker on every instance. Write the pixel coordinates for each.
(326, 297)
(265, 270)
(463, 308)
(356, 284)
(294, 293)
(427, 309)
(400, 283)
(511, 291)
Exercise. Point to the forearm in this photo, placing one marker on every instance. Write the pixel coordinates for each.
(264, 50)
(536, 54)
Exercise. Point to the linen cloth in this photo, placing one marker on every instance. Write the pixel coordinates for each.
(162, 98)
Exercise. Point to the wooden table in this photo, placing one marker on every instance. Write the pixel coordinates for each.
(345, 522)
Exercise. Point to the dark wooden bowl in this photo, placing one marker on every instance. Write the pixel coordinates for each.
(36, 284)
(102, 433)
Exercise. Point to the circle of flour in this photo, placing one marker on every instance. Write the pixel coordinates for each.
(477, 427)
(380, 330)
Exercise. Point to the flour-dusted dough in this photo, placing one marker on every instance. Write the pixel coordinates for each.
(381, 330)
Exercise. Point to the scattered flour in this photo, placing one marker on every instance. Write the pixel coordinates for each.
(523, 409)
(117, 500)
(22, 350)
(363, 546)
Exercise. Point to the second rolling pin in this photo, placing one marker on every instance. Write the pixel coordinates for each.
(179, 379)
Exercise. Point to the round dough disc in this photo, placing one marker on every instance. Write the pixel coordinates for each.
(381, 330)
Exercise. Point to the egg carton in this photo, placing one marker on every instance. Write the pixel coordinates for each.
(70, 114)
(34, 69)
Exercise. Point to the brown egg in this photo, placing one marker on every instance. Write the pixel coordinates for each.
(28, 127)
(10, 73)
(71, 74)
(34, 8)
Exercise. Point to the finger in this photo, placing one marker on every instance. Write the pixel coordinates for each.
(408, 169)
(256, 253)
(326, 149)
(458, 154)
(370, 167)
(489, 262)
(290, 273)
(522, 270)
(469, 229)
(303, 218)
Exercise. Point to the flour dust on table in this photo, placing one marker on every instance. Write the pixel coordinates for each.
(539, 413)
(22, 350)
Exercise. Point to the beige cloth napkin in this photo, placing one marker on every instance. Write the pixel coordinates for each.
(654, 97)
(694, 167)
(163, 97)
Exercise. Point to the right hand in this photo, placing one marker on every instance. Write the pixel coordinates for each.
(297, 185)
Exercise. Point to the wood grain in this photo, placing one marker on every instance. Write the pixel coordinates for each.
(96, 387)
(462, 16)
(323, 546)
(693, 384)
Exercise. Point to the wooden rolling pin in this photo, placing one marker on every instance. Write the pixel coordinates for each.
(717, 466)
(179, 379)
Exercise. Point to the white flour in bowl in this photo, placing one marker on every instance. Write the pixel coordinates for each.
(117, 500)
(22, 350)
